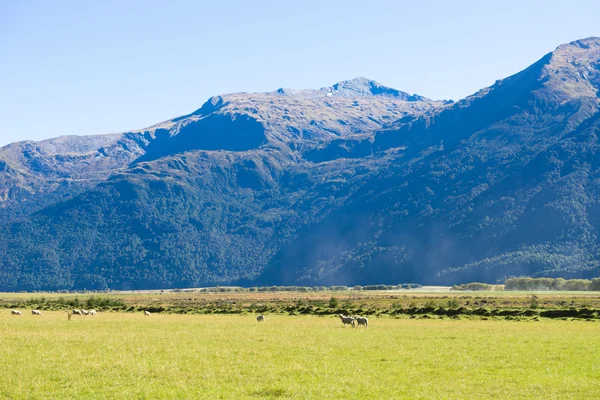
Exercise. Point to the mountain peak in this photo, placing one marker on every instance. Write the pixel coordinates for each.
(578, 51)
(357, 87)
(574, 68)
(586, 43)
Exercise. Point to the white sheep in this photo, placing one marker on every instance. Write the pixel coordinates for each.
(76, 312)
(147, 313)
(36, 312)
(346, 320)
(92, 312)
(16, 312)
(85, 312)
(364, 321)
(260, 318)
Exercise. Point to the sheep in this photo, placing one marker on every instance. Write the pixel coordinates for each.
(85, 312)
(364, 321)
(15, 312)
(147, 313)
(76, 312)
(92, 312)
(260, 318)
(36, 312)
(346, 320)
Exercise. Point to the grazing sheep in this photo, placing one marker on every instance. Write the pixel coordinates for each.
(92, 312)
(364, 321)
(36, 312)
(85, 312)
(147, 313)
(346, 320)
(260, 318)
(15, 312)
(76, 312)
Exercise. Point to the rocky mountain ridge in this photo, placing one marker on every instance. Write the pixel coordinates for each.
(36, 174)
(364, 185)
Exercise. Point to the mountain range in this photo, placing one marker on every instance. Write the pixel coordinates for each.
(356, 183)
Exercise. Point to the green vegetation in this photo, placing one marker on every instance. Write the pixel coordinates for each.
(395, 304)
(534, 284)
(221, 289)
(534, 302)
(126, 356)
(552, 284)
(503, 183)
(333, 302)
(477, 287)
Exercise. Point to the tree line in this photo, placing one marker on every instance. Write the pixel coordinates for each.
(526, 283)
(552, 284)
(304, 288)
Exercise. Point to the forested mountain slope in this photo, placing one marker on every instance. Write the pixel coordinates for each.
(502, 183)
(355, 183)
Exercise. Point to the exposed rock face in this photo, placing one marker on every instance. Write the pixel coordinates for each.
(36, 174)
(354, 183)
(353, 88)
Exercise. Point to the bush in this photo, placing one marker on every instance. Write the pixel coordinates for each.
(534, 303)
(453, 303)
(333, 302)
(103, 302)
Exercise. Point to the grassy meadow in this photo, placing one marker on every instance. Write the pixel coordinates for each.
(168, 356)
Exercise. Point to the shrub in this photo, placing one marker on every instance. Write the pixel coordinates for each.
(453, 303)
(103, 302)
(333, 302)
(534, 303)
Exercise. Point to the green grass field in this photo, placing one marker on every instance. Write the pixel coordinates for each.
(130, 356)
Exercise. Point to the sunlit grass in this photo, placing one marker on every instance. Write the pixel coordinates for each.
(129, 356)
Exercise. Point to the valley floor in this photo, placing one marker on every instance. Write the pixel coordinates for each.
(131, 356)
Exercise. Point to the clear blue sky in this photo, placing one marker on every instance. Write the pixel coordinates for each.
(83, 67)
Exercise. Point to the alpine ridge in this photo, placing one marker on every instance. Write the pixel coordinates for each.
(355, 183)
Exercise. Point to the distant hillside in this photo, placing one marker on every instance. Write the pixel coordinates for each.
(352, 184)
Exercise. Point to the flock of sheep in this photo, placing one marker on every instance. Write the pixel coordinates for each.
(69, 313)
(83, 312)
(33, 312)
(346, 319)
(349, 320)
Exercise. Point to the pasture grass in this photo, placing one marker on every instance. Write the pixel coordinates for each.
(130, 356)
